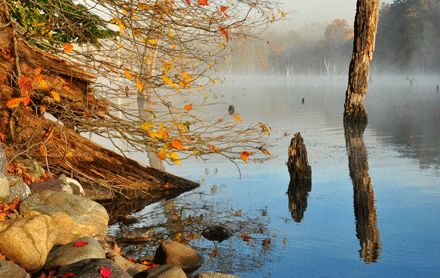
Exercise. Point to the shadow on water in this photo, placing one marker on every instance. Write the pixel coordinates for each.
(363, 193)
(298, 194)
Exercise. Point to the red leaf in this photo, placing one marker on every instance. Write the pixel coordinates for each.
(25, 85)
(68, 274)
(223, 9)
(188, 2)
(80, 243)
(105, 272)
(203, 2)
(224, 32)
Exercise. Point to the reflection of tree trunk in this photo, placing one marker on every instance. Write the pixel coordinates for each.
(364, 207)
(365, 27)
(300, 178)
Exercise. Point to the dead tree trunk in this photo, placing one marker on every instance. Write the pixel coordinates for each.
(363, 192)
(300, 177)
(365, 27)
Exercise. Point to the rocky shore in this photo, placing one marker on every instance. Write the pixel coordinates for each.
(50, 229)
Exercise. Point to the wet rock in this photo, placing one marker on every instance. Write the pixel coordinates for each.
(90, 217)
(9, 269)
(17, 189)
(75, 251)
(129, 266)
(61, 184)
(214, 275)
(92, 268)
(175, 253)
(28, 241)
(162, 271)
(216, 233)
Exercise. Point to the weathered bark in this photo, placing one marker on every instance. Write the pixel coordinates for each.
(364, 207)
(300, 177)
(365, 27)
(59, 148)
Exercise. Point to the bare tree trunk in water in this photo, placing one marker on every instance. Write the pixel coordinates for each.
(365, 27)
(363, 193)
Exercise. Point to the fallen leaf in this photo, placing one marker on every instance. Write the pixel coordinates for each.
(224, 32)
(128, 75)
(105, 272)
(80, 243)
(203, 2)
(245, 155)
(68, 47)
(139, 85)
(213, 148)
(245, 237)
(37, 71)
(237, 118)
(188, 107)
(56, 96)
(265, 151)
(68, 274)
(25, 85)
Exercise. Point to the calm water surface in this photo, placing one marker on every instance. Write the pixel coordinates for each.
(374, 205)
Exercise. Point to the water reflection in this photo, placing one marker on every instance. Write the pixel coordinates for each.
(298, 193)
(364, 205)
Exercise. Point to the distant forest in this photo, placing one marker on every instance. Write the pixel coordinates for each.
(408, 41)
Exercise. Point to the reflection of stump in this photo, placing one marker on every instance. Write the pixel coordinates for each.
(300, 178)
(364, 207)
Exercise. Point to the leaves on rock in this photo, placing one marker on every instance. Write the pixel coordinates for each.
(80, 243)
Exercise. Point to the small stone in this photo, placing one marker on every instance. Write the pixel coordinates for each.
(216, 233)
(78, 250)
(74, 184)
(17, 189)
(214, 275)
(9, 269)
(92, 268)
(90, 217)
(162, 271)
(175, 253)
(28, 241)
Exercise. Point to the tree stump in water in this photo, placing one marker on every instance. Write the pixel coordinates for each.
(300, 177)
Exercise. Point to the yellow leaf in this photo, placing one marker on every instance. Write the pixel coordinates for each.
(237, 118)
(177, 144)
(174, 157)
(55, 96)
(128, 74)
(147, 125)
(121, 28)
(167, 66)
(13, 102)
(201, 88)
(265, 151)
(153, 41)
(186, 77)
(169, 82)
(245, 155)
(41, 83)
(68, 47)
(222, 46)
(124, 11)
(69, 154)
(38, 24)
(173, 46)
(188, 107)
(162, 154)
(139, 85)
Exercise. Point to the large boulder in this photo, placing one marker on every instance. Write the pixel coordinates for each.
(177, 254)
(162, 271)
(9, 269)
(75, 251)
(28, 241)
(91, 218)
(92, 268)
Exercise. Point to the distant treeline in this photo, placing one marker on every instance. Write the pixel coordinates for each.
(408, 40)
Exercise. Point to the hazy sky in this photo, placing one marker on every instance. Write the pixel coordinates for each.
(301, 12)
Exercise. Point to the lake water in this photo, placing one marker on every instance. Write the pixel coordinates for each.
(380, 216)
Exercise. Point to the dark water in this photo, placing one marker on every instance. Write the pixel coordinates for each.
(374, 205)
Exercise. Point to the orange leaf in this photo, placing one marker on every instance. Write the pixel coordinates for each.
(245, 155)
(266, 152)
(68, 47)
(177, 144)
(188, 107)
(128, 75)
(26, 100)
(37, 71)
(139, 85)
(245, 237)
(213, 148)
(237, 117)
(55, 96)
(203, 2)
(13, 102)
(25, 85)
(43, 150)
(224, 32)
(162, 154)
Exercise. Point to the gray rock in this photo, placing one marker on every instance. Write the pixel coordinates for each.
(74, 185)
(162, 271)
(17, 189)
(28, 241)
(72, 253)
(9, 269)
(177, 254)
(91, 268)
(129, 266)
(91, 218)
(214, 275)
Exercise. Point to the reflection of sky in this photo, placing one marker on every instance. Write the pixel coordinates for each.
(407, 195)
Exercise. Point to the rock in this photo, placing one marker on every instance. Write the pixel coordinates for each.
(216, 233)
(162, 271)
(129, 266)
(90, 217)
(9, 269)
(4, 188)
(28, 241)
(17, 189)
(62, 184)
(73, 252)
(175, 253)
(214, 275)
(92, 268)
